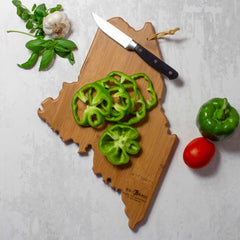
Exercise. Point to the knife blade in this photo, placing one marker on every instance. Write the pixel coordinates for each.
(128, 43)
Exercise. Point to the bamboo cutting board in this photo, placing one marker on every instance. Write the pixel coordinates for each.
(138, 180)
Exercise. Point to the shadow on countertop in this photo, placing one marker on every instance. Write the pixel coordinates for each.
(232, 144)
(212, 168)
(229, 145)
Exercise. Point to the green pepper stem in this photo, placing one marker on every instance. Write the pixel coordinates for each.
(225, 104)
(31, 35)
(221, 113)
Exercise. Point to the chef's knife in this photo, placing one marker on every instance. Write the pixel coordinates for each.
(128, 43)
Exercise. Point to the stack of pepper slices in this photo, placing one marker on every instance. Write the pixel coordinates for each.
(110, 99)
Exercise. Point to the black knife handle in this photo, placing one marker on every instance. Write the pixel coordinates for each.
(155, 62)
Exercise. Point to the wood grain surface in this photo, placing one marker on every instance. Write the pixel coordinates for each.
(137, 181)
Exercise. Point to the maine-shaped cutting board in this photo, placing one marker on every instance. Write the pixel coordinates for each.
(137, 181)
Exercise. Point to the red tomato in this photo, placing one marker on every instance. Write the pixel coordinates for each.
(198, 153)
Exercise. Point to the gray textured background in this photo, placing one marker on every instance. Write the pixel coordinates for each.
(49, 192)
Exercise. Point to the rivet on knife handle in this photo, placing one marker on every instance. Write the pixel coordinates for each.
(155, 62)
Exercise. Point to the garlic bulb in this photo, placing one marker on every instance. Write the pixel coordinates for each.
(56, 25)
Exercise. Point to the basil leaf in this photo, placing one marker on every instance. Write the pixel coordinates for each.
(68, 44)
(68, 55)
(62, 54)
(29, 24)
(25, 15)
(30, 62)
(35, 45)
(70, 58)
(47, 58)
(48, 44)
(41, 10)
(16, 3)
(57, 8)
(34, 7)
(20, 11)
(38, 19)
(59, 48)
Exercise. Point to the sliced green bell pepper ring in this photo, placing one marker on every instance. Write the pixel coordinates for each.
(118, 110)
(139, 113)
(117, 142)
(93, 115)
(217, 119)
(109, 82)
(125, 79)
(153, 101)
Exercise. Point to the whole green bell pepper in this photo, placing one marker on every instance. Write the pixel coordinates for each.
(217, 119)
(117, 142)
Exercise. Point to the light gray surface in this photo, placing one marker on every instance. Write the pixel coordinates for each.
(49, 192)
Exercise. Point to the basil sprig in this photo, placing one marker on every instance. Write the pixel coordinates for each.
(47, 50)
(34, 18)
